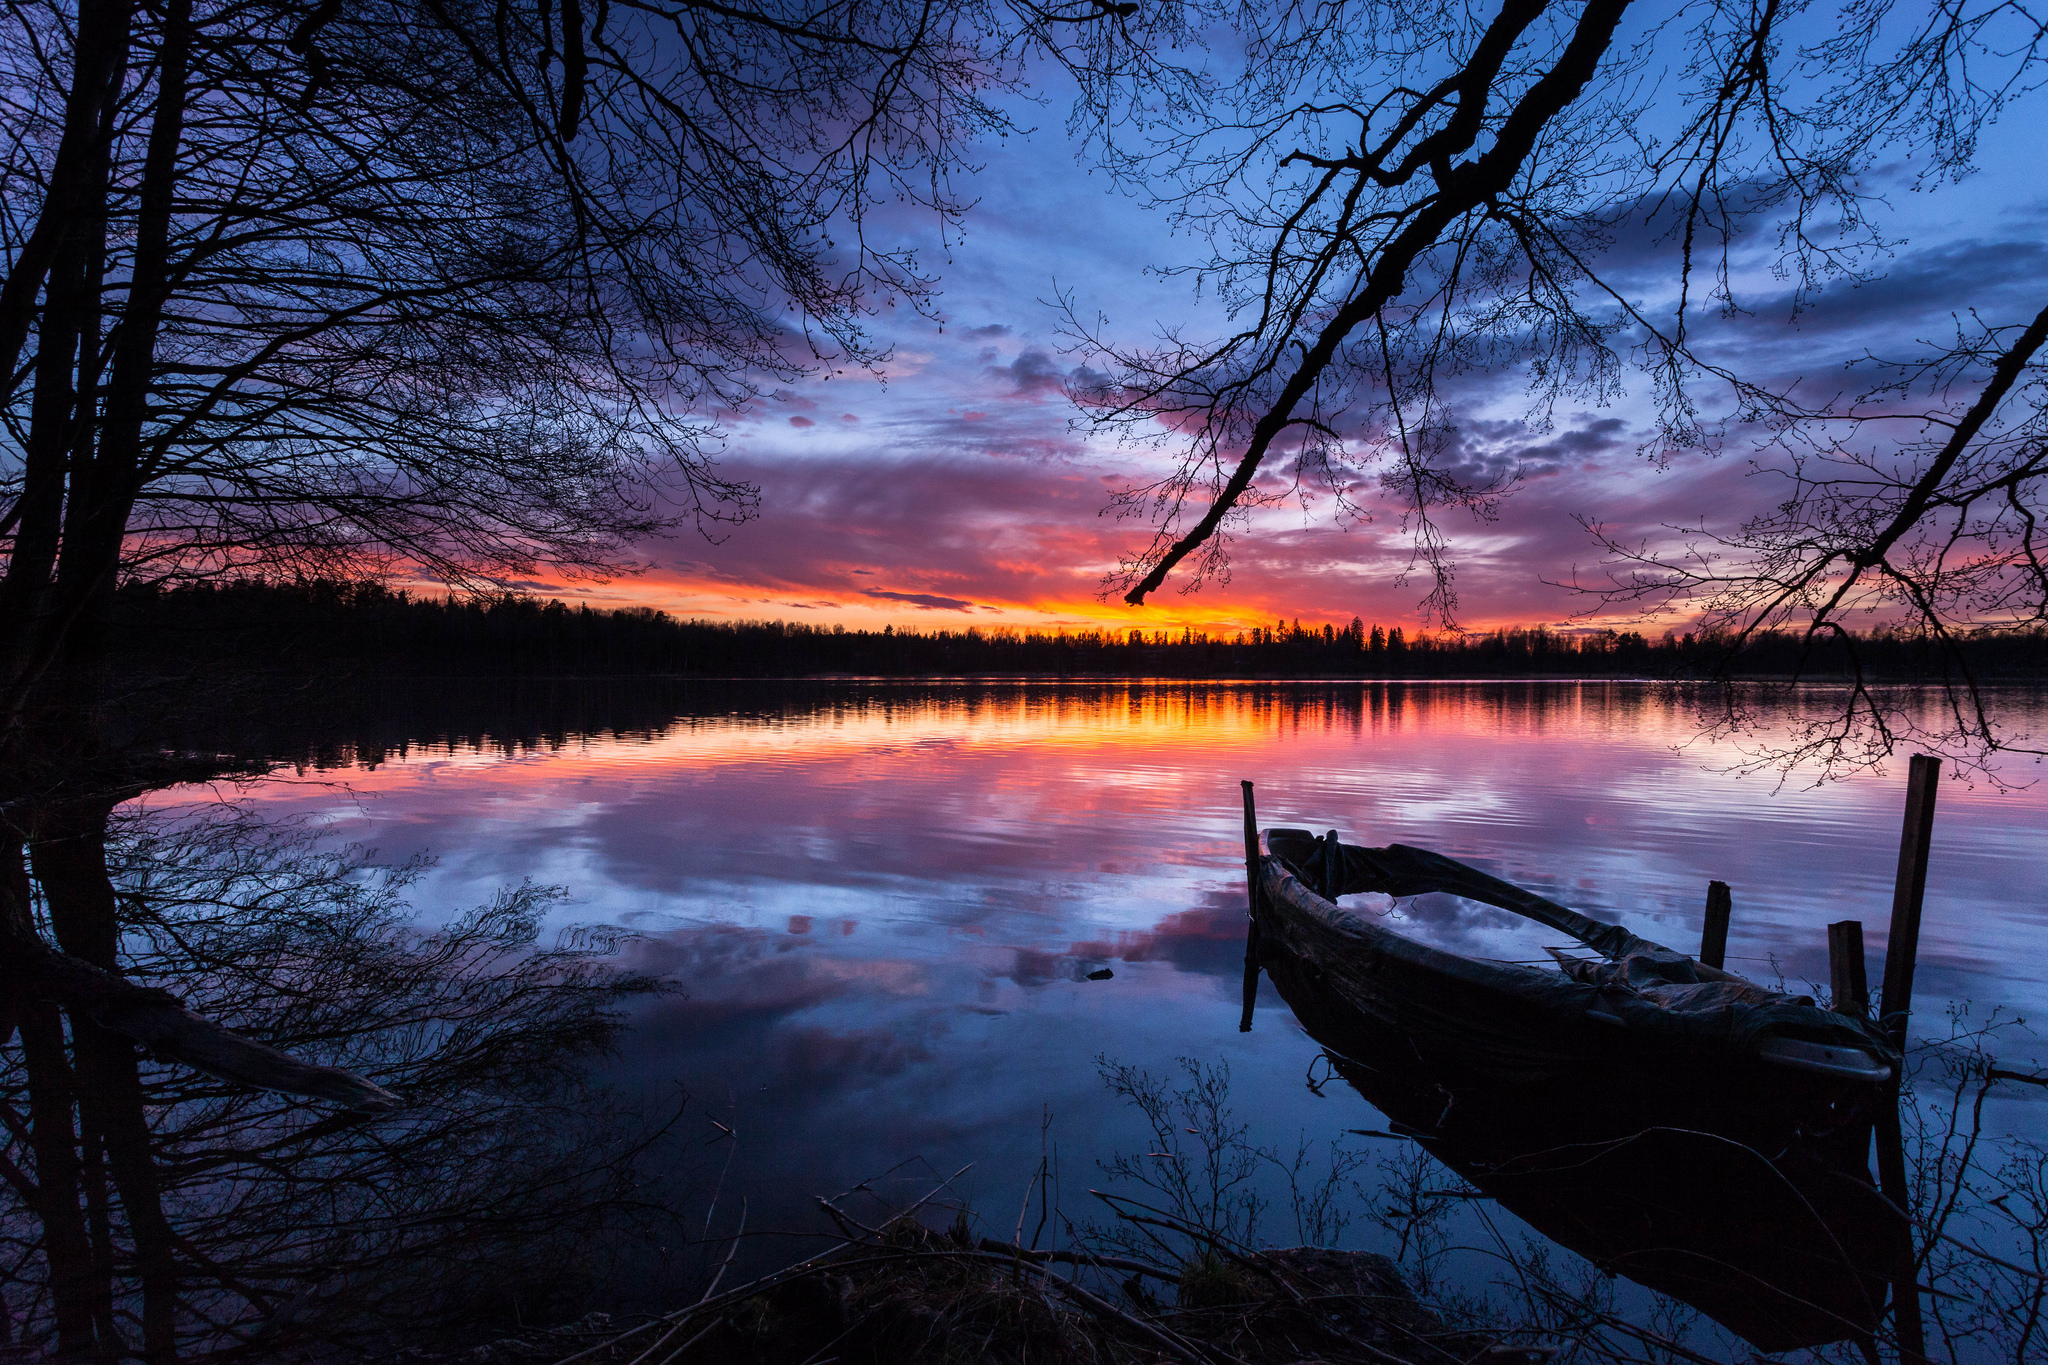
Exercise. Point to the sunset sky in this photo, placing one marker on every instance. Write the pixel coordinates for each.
(959, 491)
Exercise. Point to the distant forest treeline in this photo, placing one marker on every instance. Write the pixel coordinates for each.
(329, 627)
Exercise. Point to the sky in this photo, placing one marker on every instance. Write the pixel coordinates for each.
(957, 489)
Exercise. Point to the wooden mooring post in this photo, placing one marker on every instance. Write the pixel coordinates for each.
(1901, 954)
(1251, 888)
(1902, 945)
(1714, 933)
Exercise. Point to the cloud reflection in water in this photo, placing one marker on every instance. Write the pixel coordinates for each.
(884, 902)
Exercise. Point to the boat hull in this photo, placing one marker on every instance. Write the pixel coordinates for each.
(1665, 1149)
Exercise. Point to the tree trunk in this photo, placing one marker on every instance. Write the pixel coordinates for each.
(103, 487)
(76, 194)
(53, 415)
(71, 233)
(70, 857)
(54, 1142)
(99, 1226)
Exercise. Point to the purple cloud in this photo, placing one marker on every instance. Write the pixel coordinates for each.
(925, 600)
(1034, 372)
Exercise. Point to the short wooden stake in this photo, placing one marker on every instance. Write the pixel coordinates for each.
(1251, 888)
(1846, 968)
(1714, 934)
(1901, 953)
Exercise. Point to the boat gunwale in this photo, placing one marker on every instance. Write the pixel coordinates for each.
(1603, 1012)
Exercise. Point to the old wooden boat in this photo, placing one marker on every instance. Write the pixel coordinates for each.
(1675, 1123)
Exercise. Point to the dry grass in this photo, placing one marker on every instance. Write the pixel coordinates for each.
(908, 1294)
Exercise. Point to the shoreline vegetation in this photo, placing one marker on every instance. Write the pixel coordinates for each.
(909, 1294)
(323, 626)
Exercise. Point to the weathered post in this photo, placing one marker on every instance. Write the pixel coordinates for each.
(1901, 952)
(1846, 968)
(1714, 933)
(1251, 887)
(1902, 945)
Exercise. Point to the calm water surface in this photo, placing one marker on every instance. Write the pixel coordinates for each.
(883, 903)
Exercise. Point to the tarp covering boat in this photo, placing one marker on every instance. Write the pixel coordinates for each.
(1696, 1132)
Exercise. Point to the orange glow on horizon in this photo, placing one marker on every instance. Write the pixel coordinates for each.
(1221, 618)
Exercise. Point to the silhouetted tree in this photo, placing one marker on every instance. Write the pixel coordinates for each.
(297, 286)
(1395, 196)
(458, 284)
(1918, 501)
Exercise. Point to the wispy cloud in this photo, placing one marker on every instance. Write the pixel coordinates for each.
(928, 601)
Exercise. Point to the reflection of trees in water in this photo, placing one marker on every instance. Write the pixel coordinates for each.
(1979, 1202)
(163, 1209)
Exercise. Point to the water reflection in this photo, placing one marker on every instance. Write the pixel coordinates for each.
(172, 1210)
(884, 902)
(1031, 819)
(881, 907)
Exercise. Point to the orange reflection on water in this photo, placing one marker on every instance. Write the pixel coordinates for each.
(1172, 716)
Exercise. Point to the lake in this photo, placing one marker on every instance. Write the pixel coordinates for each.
(884, 903)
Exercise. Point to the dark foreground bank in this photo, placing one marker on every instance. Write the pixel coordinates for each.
(909, 1295)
